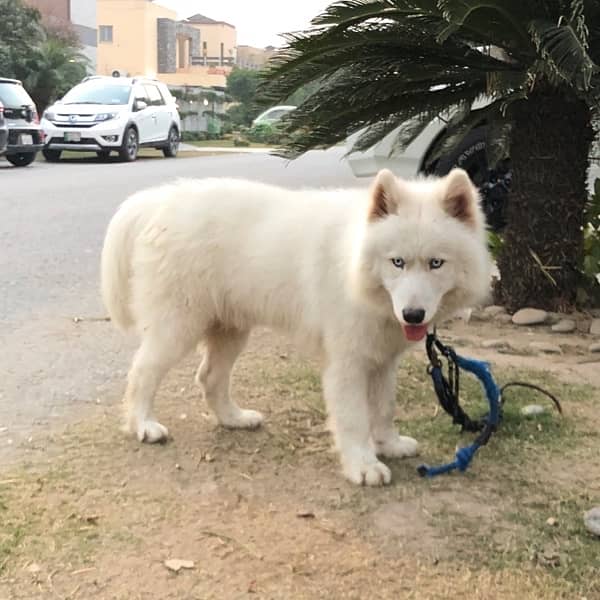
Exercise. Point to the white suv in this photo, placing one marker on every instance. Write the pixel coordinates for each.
(121, 114)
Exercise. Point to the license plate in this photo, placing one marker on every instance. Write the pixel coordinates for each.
(72, 136)
(26, 139)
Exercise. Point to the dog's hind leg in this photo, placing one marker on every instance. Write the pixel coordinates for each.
(162, 346)
(222, 347)
(382, 406)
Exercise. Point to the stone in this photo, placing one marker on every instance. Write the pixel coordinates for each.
(504, 318)
(529, 316)
(552, 522)
(533, 410)
(176, 564)
(595, 347)
(595, 327)
(583, 325)
(545, 347)
(591, 520)
(494, 310)
(564, 326)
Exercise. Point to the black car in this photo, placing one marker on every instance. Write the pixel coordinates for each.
(25, 136)
(3, 131)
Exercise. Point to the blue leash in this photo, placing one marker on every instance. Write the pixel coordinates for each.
(447, 391)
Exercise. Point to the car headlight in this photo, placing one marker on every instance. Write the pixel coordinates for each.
(48, 115)
(105, 116)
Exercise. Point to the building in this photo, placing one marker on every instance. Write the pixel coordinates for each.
(140, 37)
(219, 41)
(255, 59)
(78, 16)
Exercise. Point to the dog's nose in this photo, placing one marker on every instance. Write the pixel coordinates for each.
(414, 316)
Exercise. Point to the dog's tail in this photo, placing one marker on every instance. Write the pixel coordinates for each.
(116, 264)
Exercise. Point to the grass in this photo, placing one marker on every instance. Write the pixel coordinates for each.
(96, 499)
(225, 143)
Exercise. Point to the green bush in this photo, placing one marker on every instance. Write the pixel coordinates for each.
(239, 142)
(591, 235)
(193, 136)
(266, 133)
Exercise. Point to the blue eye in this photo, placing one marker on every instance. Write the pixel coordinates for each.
(436, 263)
(398, 263)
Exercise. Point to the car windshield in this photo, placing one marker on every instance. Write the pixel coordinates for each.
(96, 92)
(14, 95)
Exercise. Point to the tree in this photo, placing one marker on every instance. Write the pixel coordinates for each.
(58, 66)
(241, 87)
(20, 34)
(48, 62)
(387, 64)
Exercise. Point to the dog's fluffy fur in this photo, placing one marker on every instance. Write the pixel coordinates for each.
(205, 261)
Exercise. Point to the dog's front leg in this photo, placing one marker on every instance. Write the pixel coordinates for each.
(382, 406)
(345, 386)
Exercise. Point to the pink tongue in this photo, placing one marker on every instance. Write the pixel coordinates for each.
(414, 333)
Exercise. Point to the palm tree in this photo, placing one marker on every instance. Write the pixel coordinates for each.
(387, 64)
(57, 67)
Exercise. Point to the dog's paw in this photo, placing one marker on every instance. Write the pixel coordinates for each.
(397, 446)
(151, 432)
(368, 473)
(242, 419)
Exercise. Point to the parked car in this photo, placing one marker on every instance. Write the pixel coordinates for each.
(273, 114)
(106, 114)
(24, 134)
(3, 131)
(470, 154)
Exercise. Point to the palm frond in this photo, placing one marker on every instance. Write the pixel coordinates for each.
(385, 65)
(563, 48)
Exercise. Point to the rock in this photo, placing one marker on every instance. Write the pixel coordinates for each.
(583, 325)
(495, 344)
(545, 347)
(595, 347)
(504, 318)
(552, 522)
(532, 410)
(494, 310)
(595, 327)
(564, 326)
(175, 564)
(591, 520)
(529, 316)
(479, 315)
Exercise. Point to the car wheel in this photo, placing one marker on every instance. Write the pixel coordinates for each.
(51, 155)
(129, 149)
(493, 184)
(103, 154)
(22, 159)
(170, 150)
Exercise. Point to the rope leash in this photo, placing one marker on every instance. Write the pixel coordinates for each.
(447, 390)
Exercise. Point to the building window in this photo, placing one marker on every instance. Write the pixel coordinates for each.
(106, 33)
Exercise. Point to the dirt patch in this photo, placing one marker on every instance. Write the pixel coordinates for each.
(90, 514)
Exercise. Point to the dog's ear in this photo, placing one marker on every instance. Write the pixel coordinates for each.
(383, 195)
(461, 197)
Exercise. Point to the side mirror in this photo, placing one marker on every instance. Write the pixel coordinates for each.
(140, 105)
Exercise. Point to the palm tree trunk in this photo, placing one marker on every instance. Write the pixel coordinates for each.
(543, 241)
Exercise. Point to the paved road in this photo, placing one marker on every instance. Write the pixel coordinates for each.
(53, 219)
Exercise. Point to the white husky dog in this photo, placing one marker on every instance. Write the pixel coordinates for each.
(355, 275)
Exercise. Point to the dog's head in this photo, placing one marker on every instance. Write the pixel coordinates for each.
(424, 249)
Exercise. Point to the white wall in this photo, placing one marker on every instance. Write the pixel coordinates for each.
(83, 12)
(84, 19)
